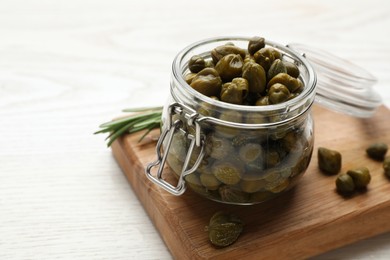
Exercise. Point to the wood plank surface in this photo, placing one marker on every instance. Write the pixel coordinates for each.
(310, 219)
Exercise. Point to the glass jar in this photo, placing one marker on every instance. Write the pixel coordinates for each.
(231, 153)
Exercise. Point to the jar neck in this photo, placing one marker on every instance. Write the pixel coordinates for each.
(255, 116)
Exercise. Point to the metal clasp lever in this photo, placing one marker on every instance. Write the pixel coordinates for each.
(168, 132)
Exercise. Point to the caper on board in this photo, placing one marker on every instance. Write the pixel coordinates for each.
(361, 177)
(377, 151)
(345, 184)
(224, 229)
(329, 161)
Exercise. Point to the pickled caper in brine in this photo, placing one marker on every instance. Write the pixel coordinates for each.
(278, 93)
(209, 181)
(250, 152)
(291, 83)
(377, 151)
(221, 51)
(255, 43)
(207, 82)
(224, 229)
(256, 77)
(218, 147)
(329, 161)
(233, 195)
(276, 67)
(196, 64)
(227, 172)
(229, 67)
(292, 69)
(265, 57)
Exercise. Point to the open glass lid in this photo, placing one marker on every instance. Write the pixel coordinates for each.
(341, 85)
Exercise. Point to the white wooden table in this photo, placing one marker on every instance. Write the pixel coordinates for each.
(67, 66)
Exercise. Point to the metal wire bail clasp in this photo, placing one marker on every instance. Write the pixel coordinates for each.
(169, 130)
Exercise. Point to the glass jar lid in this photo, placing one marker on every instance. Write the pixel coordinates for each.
(341, 85)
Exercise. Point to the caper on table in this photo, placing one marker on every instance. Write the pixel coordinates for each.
(377, 151)
(361, 177)
(224, 229)
(345, 183)
(329, 161)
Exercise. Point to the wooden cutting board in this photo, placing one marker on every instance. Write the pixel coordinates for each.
(310, 219)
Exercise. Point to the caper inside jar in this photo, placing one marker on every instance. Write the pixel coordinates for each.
(252, 152)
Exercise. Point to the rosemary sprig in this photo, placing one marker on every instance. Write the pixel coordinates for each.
(141, 119)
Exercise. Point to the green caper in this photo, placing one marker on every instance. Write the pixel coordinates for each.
(209, 181)
(250, 152)
(386, 166)
(217, 147)
(227, 172)
(234, 92)
(278, 93)
(255, 43)
(233, 195)
(207, 82)
(196, 63)
(292, 69)
(272, 158)
(345, 184)
(248, 58)
(377, 151)
(329, 161)
(256, 77)
(276, 53)
(291, 83)
(263, 101)
(221, 51)
(276, 68)
(224, 229)
(189, 77)
(229, 67)
(361, 177)
(209, 64)
(264, 57)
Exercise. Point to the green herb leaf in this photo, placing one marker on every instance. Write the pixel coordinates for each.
(141, 119)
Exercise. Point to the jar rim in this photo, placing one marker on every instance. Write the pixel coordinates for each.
(308, 92)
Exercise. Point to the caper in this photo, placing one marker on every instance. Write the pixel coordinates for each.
(256, 77)
(345, 184)
(209, 64)
(272, 158)
(248, 58)
(250, 152)
(255, 43)
(196, 64)
(361, 177)
(189, 77)
(217, 147)
(207, 82)
(386, 166)
(263, 101)
(329, 161)
(229, 66)
(291, 83)
(227, 172)
(234, 92)
(292, 69)
(209, 181)
(233, 195)
(276, 68)
(252, 183)
(278, 93)
(224, 229)
(221, 51)
(377, 151)
(264, 57)
(276, 53)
